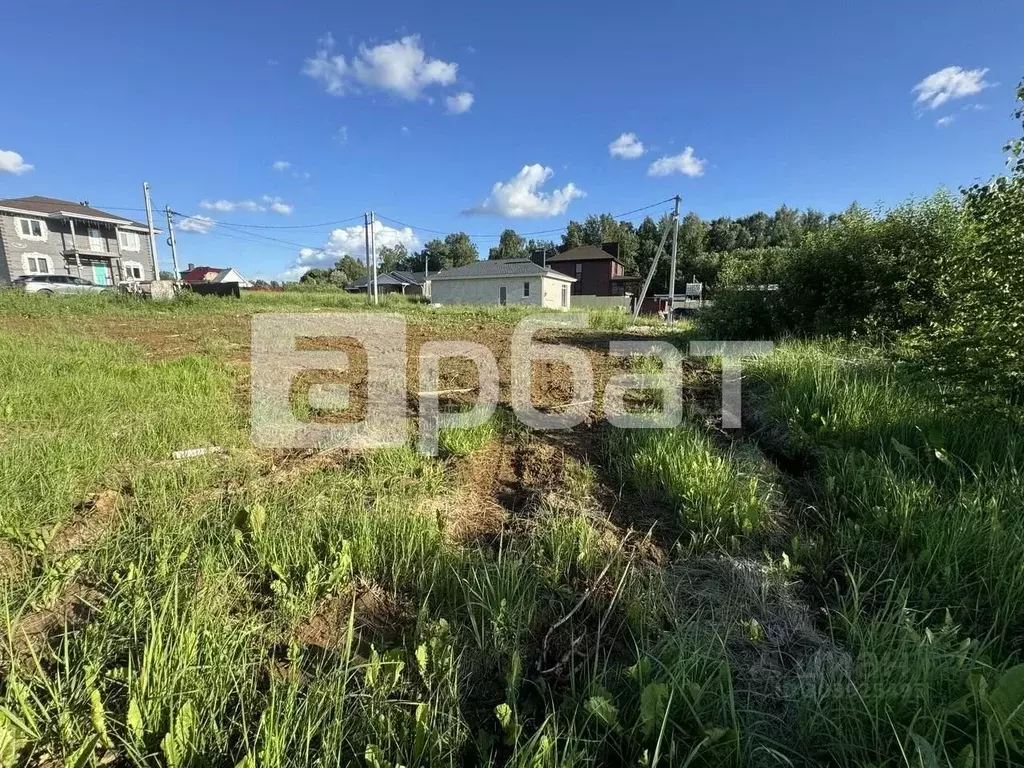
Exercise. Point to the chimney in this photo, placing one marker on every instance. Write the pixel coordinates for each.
(612, 249)
(191, 266)
(539, 257)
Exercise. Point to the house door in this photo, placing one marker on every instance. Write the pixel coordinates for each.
(502, 296)
(99, 274)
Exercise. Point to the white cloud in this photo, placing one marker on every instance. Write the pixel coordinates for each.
(342, 135)
(351, 241)
(949, 83)
(401, 67)
(405, 129)
(282, 165)
(227, 206)
(292, 274)
(627, 146)
(12, 162)
(521, 197)
(685, 162)
(943, 122)
(198, 224)
(460, 102)
(275, 204)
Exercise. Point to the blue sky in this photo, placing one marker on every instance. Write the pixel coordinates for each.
(803, 103)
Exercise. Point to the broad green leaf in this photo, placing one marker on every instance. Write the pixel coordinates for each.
(136, 725)
(925, 751)
(1007, 699)
(653, 700)
(602, 710)
(509, 723)
(99, 717)
(422, 729)
(422, 659)
(82, 756)
(9, 746)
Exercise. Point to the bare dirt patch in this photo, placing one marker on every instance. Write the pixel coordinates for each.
(228, 337)
(93, 519)
(379, 616)
(33, 631)
(10, 562)
(498, 489)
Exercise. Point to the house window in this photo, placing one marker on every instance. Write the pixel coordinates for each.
(502, 296)
(31, 229)
(577, 287)
(129, 241)
(96, 242)
(132, 270)
(526, 289)
(565, 297)
(37, 264)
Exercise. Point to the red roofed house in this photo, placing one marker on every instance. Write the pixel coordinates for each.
(198, 275)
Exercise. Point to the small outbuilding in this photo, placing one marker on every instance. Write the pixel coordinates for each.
(519, 282)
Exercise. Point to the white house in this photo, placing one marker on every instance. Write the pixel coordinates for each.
(518, 282)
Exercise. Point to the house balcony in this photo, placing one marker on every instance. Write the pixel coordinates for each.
(69, 247)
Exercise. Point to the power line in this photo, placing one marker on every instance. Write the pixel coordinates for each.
(523, 234)
(244, 226)
(479, 236)
(236, 228)
(246, 237)
(296, 226)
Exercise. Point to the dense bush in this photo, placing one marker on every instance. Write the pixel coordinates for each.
(974, 345)
(944, 276)
(863, 272)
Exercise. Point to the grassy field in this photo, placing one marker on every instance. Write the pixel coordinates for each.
(838, 583)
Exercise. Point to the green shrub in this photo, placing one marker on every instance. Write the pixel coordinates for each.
(864, 272)
(974, 346)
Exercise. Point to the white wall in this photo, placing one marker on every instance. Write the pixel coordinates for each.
(553, 293)
(486, 290)
(602, 302)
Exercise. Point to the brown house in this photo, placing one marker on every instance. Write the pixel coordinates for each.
(598, 271)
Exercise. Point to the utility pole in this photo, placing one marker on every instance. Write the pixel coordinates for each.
(650, 276)
(373, 256)
(171, 242)
(672, 267)
(366, 233)
(152, 232)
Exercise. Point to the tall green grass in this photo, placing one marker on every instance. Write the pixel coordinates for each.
(78, 414)
(924, 497)
(252, 612)
(919, 524)
(711, 491)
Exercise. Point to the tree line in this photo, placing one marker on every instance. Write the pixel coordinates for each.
(455, 250)
(940, 281)
(699, 248)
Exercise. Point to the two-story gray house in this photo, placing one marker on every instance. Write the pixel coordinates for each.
(41, 235)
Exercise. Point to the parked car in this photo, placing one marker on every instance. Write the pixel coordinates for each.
(50, 284)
